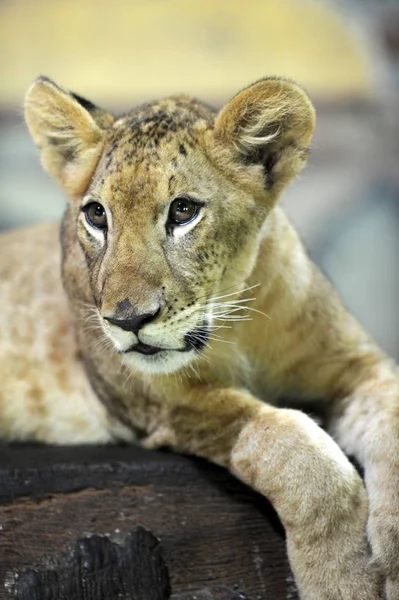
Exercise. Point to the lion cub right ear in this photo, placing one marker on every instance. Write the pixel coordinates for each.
(69, 131)
(267, 126)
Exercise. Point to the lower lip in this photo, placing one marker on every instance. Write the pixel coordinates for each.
(146, 350)
(151, 351)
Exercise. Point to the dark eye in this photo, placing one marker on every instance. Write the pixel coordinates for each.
(95, 215)
(182, 211)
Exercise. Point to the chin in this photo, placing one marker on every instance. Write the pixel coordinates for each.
(167, 361)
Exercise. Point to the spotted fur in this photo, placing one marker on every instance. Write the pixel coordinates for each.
(243, 319)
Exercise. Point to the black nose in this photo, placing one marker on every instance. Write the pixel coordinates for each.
(134, 324)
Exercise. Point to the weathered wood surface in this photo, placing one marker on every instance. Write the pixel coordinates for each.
(99, 569)
(71, 524)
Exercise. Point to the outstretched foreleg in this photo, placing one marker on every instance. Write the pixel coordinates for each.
(284, 455)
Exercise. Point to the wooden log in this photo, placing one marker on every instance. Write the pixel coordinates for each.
(88, 523)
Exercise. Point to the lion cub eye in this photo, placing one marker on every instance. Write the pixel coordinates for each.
(95, 215)
(182, 211)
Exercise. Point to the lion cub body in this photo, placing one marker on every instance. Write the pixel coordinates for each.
(44, 392)
(189, 309)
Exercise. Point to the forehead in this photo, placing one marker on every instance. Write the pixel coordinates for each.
(148, 147)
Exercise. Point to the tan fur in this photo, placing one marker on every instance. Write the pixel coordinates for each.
(68, 375)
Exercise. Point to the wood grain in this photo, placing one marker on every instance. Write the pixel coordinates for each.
(100, 569)
(218, 539)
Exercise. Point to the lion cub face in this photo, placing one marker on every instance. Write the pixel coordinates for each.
(167, 205)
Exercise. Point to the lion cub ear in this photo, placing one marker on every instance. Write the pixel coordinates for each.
(269, 124)
(69, 130)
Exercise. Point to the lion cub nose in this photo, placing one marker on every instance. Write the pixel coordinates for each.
(135, 323)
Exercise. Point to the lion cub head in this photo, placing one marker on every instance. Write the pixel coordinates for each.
(166, 205)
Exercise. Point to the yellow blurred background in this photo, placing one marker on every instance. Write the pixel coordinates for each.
(130, 50)
(344, 52)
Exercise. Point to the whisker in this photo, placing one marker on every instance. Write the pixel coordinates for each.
(233, 305)
(251, 287)
(222, 340)
(229, 311)
(194, 370)
(250, 308)
(232, 318)
(224, 289)
(227, 302)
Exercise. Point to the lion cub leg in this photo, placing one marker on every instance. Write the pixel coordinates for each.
(366, 425)
(284, 455)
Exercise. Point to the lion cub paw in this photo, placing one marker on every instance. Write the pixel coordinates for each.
(383, 530)
(320, 499)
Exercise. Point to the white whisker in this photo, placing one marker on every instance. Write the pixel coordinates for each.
(224, 289)
(234, 293)
(232, 318)
(231, 302)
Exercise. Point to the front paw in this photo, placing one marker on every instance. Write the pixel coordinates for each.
(383, 532)
(337, 565)
(382, 483)
(321, 501)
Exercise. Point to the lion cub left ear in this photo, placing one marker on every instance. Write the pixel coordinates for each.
(69, 131)
(270, 125)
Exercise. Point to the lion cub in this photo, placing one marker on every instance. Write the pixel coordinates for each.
(189, 307)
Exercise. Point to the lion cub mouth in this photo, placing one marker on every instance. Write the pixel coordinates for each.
(145, 349)
(193, 340)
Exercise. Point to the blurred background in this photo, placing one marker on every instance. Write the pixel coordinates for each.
(345, 53)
